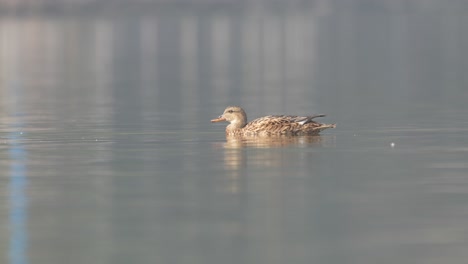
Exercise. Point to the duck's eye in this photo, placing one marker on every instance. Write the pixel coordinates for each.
(230, 111)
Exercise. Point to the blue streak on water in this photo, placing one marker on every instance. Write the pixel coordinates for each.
(18, 201)
(18, 181)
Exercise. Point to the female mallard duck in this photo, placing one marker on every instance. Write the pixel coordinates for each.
(270, 125)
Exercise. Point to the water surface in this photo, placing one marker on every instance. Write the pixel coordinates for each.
(108, 155)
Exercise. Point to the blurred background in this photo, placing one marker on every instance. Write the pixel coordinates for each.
(107, 154)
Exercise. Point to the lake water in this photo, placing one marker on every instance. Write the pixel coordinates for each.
(108, 156)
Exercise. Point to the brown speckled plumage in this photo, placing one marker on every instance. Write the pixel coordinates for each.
(270, 125)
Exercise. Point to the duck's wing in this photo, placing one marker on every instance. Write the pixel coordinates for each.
(280, 124)
(302, 120)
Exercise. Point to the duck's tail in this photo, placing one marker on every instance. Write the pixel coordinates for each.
(323, 127)
(328, 126)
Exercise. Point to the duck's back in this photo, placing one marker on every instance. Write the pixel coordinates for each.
(284, 125)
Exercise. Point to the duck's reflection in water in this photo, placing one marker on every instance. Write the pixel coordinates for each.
(272, 141)
(236, 149)
(246, 155)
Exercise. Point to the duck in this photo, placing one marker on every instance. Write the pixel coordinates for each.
(289, 125)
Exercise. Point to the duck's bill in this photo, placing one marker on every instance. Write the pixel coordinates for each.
(219, 119)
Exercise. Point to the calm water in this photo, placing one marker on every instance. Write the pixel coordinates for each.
(108, 156)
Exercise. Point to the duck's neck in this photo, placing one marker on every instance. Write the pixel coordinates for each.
(235, 126)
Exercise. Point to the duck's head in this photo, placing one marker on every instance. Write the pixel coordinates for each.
(234, 115)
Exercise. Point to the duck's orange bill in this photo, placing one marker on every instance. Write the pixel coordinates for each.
(219, 119)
